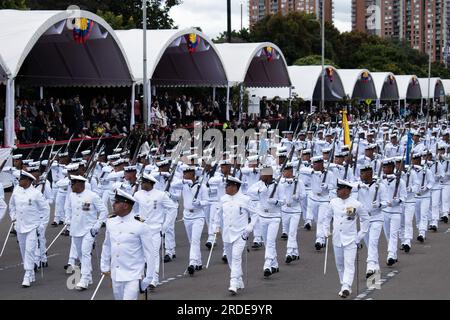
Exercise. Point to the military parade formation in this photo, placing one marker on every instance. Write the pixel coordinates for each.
(345, 182)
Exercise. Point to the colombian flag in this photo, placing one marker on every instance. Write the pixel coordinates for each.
(346, 129)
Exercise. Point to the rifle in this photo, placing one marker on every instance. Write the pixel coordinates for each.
(78, 148)
(42, 153)
(47, 169)
(173, 167)
(297, 171)
(291, 153)
(399, 175)
(138, 148)
(68, 144)
(378, 184)
(94, 151)
(32, 150)
(356, 158)
(93, 164)
(347, 164)
(329, 161)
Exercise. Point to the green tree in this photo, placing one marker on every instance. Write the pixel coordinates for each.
(314, 60)
(236, 36)
(13, 4)
(129, 12)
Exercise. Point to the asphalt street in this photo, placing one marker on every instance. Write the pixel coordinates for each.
(421, 274)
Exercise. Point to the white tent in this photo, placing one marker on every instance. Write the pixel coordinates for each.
(304, 85)
(41, 48)
(446, 84)
(3, 72)
(255, 64)
(385, 85)
(169, 62)
(408, 87)
(436, 88)
(358, 83)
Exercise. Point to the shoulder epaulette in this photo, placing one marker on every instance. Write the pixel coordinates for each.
(112, 216)
(139, 219)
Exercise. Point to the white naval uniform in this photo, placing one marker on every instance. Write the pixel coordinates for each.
(126, 249)
(41, 248)
(269, 217)
(62, 186)
(392, 208)
(412, 185)
(3, 205)
(85, 212)
(237, 215)
(193, 216)
(438, 172)
(446, 187)
(174, 194)
(250, 176)
(156, 208)
(291, 211)
(318, 201)
(346, 236)
(366, 196)
(423, 198)
(28, 207)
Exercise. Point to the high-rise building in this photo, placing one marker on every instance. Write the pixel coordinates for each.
(258, 9)
(423, 24)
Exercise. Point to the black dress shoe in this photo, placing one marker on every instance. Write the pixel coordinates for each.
(407, 248)
(224, 259)
(14, 232)
(36, 267)
(307, 226)
(61, 223)
(295, 258)
(402, 247)
(420, 238)
(391, 262)
(208, 245)
(318, 246)
(345, 294)
(275, 270)
(444, 219)
(167, 258)
(66, 233)
(289, 259)
(369, 274)
(256, 245)
(103, 225)
(433, 228)
(54, 224)
(284, 236)
(198, 268)
(191, 270)
(267, 273)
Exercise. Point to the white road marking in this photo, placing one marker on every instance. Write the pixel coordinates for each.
(20, 264)
(380, 282)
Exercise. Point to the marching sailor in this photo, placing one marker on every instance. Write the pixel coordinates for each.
(346, 238)
(126, 250)
(237, 215)
(85, 213)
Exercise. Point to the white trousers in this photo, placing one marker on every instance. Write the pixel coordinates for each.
(210, 212)
(345, 264)
(435, 206)
(59, 207)
(445, 199)
(156, 240)
(169, 243)
(73, 255)
(407, 231)
(269, 228)
(422, 213)
(317, 211)
(234, 255)
(125, 290)
(83, 246)
(27, 244)
(372, 239)
(194, 230)
(292, 220)
(392, 222)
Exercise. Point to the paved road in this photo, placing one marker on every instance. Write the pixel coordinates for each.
(421, 274)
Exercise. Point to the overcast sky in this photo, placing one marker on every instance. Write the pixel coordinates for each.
(211, 15)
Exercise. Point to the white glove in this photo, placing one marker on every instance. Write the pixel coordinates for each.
(295, 198)
(94, 232)
(396, 202)
(188, 182)
(409, 189)
(272, 201)
(384, 204)
(324, 187)
(196, 203)
(144, 283)
(244, 235)
(217, 230)
(375, 205)
(165, 174)
(248, 229)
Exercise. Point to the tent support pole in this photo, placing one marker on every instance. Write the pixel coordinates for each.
(9, 114)
(227, 115)
(149, 103)
(133, 98)
(214, 94)
(41, 93)
(290, 102)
